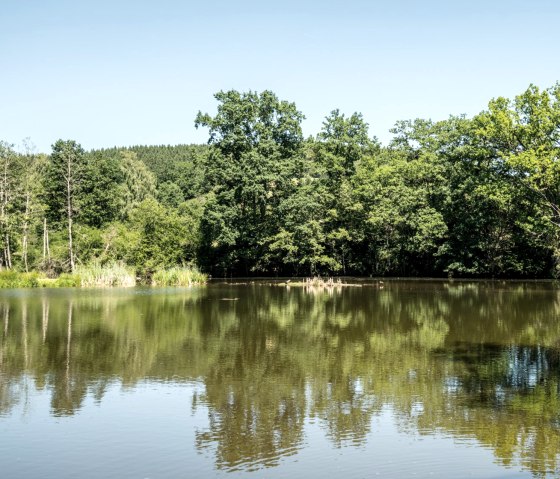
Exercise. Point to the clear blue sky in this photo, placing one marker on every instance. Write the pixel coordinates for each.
(128, 72)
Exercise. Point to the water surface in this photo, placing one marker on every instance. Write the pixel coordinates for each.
(393, 379)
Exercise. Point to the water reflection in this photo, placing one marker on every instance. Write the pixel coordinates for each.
(473, 360)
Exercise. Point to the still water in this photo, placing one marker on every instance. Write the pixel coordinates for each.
(405, 378)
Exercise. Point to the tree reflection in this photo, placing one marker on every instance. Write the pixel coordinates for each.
(478, 360)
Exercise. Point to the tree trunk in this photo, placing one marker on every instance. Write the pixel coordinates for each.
(24, 241)
(70, 246)
(69, 211)
(4, 227)
(7, 253)
(46, 248)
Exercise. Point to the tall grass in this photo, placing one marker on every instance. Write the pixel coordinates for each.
(178, 277)
(15, 279)
(96, 275)
(65, 280)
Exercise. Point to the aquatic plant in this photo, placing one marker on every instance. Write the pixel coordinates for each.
(177, 276)
(107, 275)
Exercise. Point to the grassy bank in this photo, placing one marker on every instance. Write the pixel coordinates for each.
(13, 279)
(101, 276)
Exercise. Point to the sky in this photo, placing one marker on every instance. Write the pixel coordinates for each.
(120, 73)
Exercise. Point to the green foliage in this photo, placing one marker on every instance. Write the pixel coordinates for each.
(178, 277)
(345, 141)
(63, 175)
(522, 138)
(95, 275)
(15, 279)
(170, 194)
(98, 201)
(301, 239)
(11, 173)
(89, 243)
(66, 280)
(399, 230)
(256, 140)
(459, 197)
(139, 182)
(159, 237)
(246, 121)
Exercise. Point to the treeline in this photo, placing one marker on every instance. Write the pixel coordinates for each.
(460, 197)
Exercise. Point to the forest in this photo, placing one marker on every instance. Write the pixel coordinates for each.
(461, 197)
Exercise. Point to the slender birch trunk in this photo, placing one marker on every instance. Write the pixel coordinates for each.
(4, 214)
(46, 248)
(69, 211)
(25, 239)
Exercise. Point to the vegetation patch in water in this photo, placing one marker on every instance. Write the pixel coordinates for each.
(317, 282)
(108, 275)
(178, 277)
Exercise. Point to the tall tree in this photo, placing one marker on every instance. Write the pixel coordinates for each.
(488, 217)
(255, 139)
(100, 185)
(62, 182)
(8, 184)
(341, 145)
(522, 137)
(30, 186)
(400, 231)
(345, 141)
(139, 182)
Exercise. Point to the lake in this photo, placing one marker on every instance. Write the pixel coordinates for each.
(254, 379)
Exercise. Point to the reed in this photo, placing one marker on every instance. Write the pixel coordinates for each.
(186, 276)
(95, 275)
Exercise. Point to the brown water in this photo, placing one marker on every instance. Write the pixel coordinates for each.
(407, 378)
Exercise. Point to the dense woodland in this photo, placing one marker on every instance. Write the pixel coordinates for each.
(463, 197)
